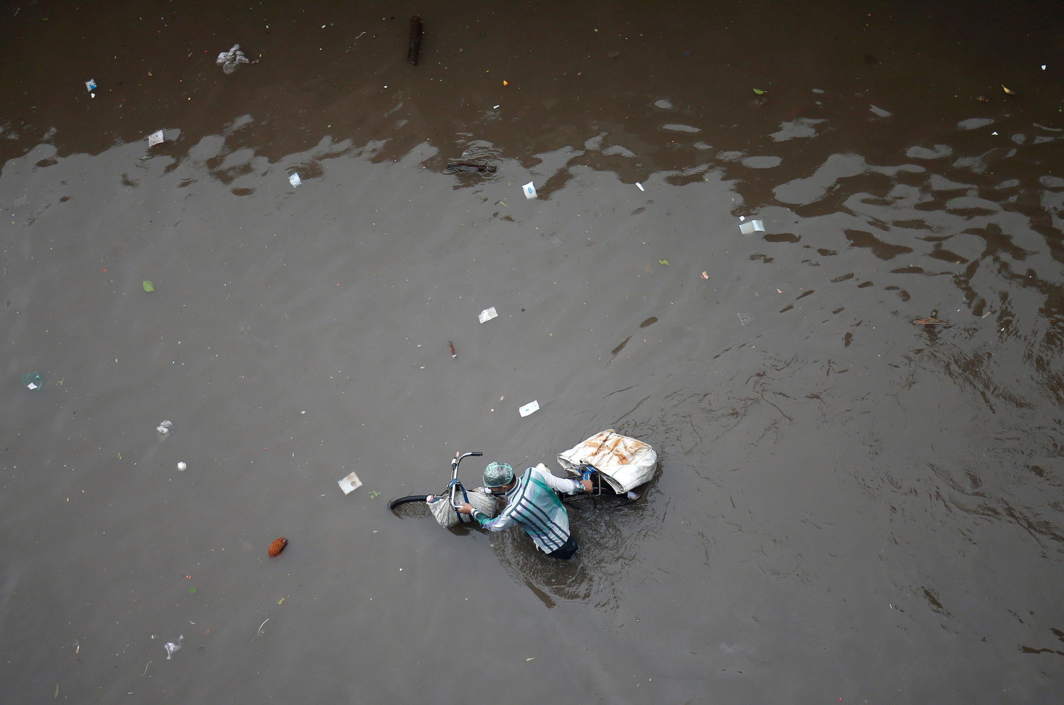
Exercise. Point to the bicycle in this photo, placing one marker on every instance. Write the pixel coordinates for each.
(455, 493)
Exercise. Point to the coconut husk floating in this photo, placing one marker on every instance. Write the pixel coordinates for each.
(276, 546)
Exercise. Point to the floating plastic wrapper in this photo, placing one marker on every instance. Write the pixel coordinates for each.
(33, 380)
(530, 190)
(157, 137)
(744, 318)
(529, 408)
(349, 483)
(488, 314)
(90, 86)
(295, 180)
(230, 60)
(163, 429)
(172, 647)
(751, 226)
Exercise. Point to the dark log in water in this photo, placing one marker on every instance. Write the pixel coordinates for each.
(469, 168)
(414, 48)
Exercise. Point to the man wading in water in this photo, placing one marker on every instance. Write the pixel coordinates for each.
(531, 501)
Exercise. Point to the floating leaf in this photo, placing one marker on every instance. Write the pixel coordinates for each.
(760, 91)
(663, 262)
(149, 285)
(1008, 91)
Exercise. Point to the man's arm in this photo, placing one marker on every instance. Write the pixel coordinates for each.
(502, 521)
(561, 484)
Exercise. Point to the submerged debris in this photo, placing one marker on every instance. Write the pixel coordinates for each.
(33, 380)
(468, 168)
(932, 320)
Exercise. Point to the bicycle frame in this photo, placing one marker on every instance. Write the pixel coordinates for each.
(455, 482)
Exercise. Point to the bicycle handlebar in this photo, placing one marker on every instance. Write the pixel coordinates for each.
(458, 458)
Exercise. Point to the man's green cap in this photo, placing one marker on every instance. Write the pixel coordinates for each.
(498, 474)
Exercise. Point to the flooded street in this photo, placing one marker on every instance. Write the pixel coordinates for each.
(856, 403)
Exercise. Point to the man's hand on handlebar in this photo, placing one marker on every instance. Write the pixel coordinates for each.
(465, 509)
(587, 485)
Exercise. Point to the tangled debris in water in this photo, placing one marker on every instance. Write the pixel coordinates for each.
(230, 60)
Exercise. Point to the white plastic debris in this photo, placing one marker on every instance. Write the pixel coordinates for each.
(488, 314)
(182, 466)
(164, 427)
(172, 648)
(530, 190)
(230, 60)
(744, 318)
(753, 226)
(295, 180)
(640, 186)
(349, 483)
(90, 86)
(529, 408)
(1043, 67)
(157, 137)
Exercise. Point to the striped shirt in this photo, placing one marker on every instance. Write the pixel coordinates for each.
(534, 504)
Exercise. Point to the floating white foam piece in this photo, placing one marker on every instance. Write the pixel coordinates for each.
(349, 483)
(753, 226)
(488, 314)
(172, 647)
(530, 190)
(295, 180)
(155, 138)
(639, 186)
(529, 408)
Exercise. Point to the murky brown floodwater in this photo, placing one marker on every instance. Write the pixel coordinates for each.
(851, 508)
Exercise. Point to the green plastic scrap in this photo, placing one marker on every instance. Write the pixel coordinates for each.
(760, 91)
(149, 285)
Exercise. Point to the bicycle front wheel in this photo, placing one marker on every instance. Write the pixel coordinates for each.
(410, 506)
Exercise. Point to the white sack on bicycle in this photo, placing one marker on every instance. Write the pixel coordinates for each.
(447, 517)
(624, 463)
